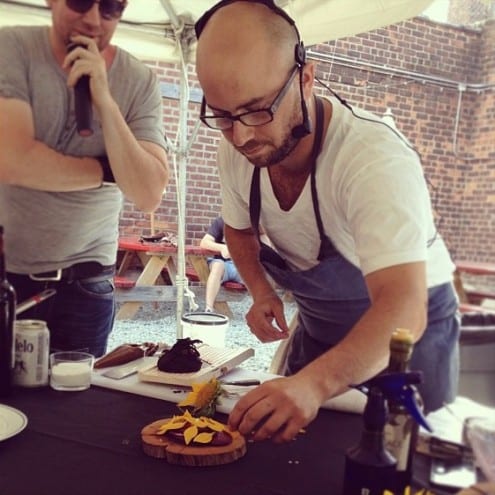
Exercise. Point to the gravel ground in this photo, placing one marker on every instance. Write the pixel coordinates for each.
(157, 323)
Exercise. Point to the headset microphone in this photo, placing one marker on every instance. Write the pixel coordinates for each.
(305, 128)
(82, 101)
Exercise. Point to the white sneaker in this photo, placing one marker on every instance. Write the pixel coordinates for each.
(208, 309)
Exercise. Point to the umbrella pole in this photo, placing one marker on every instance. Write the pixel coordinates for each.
(182, 152)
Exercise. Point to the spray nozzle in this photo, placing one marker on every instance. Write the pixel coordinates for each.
(398, 387)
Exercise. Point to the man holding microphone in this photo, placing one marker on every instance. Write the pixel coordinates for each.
(61, 190)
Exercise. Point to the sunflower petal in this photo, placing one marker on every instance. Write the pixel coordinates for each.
(201, 423)
(215, 425)
(171, 425)
(204, 437)
(190, 433)
(189, 400)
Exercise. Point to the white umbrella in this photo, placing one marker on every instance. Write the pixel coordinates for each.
(164, 30)
(150, 26)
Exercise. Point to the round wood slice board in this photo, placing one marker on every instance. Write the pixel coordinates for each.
(488, 488)
(161, 447)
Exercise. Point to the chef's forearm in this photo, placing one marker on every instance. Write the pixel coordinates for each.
(244, 248)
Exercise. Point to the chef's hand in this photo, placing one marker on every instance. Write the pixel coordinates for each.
(260, 318)
(277, 409)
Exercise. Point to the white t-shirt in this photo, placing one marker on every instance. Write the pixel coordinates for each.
(372, 195)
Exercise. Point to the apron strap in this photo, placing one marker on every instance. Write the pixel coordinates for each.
(326, 246)
(255, 202)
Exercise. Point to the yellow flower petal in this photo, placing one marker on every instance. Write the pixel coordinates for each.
(187, 416)
(215, 425)
(203, 396)
(189, 434)
(189, 400)
(200, 422)
(171, 425)
(204, 437)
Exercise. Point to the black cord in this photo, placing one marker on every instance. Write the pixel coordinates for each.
(435, 195)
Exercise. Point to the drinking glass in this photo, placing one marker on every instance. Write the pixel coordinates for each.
(71, 370)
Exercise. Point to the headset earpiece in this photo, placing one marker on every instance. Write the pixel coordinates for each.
(300, 53)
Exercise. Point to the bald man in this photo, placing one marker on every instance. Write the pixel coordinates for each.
(343, 199)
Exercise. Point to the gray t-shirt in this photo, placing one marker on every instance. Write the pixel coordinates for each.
(49, 230)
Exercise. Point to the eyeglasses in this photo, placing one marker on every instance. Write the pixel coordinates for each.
(252, 118)
(109, 9)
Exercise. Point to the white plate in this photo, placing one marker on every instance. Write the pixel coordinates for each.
(12, 422)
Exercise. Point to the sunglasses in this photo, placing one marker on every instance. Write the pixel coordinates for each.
(109, 9)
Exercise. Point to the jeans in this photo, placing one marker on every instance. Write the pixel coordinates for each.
(230, 273)
(79, 316)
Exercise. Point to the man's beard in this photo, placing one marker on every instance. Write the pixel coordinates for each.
(281, 151)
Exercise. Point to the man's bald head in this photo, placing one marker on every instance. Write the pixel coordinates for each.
(249, 31)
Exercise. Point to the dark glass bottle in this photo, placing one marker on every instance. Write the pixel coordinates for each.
(7, 318)
(369, 467)
(401, 429)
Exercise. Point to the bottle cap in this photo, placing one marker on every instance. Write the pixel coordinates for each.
(403, 335)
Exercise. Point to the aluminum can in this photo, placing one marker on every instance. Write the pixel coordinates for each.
(32, 348)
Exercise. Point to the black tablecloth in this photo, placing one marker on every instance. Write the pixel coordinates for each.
(89, 443)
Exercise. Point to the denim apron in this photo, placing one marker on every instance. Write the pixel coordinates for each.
(332, 296)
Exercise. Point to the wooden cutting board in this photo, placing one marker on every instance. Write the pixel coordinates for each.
(161, 447)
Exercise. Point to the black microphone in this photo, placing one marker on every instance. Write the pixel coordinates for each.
(82, 101)
(305, 128)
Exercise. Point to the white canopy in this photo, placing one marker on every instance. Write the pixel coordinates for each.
(148, 26)
(164, 30)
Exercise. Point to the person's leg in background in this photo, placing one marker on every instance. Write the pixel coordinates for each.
(215, 279)
(231, 273)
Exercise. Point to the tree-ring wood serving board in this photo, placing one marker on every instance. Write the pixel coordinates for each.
(162, 447)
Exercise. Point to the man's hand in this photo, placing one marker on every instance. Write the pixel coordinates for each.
(277, 409)
(261, 315)
(88, 61)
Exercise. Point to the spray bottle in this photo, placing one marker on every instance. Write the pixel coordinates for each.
(401, 430)
(369, 468)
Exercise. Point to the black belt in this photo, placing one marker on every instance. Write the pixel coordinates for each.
(79, 271)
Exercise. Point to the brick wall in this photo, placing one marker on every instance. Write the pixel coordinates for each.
(439, 82)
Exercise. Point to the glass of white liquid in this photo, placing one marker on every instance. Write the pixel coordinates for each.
(71, 370)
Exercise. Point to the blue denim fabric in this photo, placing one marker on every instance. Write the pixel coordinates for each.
(436, 353)
(332, 296)
(230, 273)
(79, 316)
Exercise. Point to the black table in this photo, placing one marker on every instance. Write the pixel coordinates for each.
(89, 443)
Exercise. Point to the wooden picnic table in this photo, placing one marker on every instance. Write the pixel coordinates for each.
(472, 299)
(156, 257)
(475, 267)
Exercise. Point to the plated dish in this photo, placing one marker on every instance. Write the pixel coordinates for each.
(12, 421)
